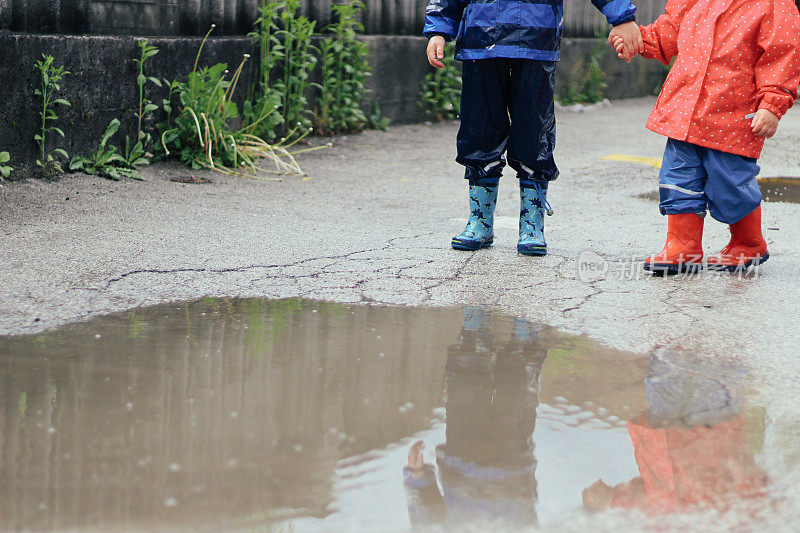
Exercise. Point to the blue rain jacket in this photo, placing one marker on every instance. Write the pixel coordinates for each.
(516, 29)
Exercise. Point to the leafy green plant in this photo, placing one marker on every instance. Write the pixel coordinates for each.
(440, 95)
(203, 132)
(376, 119)
(105, 161)
(166, 103)
(344, 72)
(51, 77)
(262, 112)
(297, 64)
(137, 154)
(590, 83)
(5, 170)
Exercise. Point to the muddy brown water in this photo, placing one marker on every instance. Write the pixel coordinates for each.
(296, 415)
(782, 189)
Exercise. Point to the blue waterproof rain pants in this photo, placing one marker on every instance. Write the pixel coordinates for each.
(507, 107)
(693, 177)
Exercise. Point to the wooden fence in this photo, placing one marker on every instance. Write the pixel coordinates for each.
(235, 17)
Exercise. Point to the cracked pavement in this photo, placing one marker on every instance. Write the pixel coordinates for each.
(372, 222)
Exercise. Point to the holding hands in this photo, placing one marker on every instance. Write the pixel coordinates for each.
(626, 40)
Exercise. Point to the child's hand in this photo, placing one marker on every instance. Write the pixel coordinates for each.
(622, 51)
(765, 123)
(436, 51)
(631, 36)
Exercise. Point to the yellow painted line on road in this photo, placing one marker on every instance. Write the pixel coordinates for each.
(642, 160)
(307, 178)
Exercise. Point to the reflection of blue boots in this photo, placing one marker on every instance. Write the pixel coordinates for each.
(476, 319)
(524, 331)
(479, 232)
(531, 220)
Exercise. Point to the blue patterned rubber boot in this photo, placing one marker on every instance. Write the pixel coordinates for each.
(533, 206)
(479, 232)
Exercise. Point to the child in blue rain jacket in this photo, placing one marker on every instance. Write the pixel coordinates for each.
(509, 50)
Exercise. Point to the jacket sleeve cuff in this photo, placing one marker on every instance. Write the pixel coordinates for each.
(443, 26)
(440, 34)
(778, 105)
(619, 12)
(624, 20)
(649, 50)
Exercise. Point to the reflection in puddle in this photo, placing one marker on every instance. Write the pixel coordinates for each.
(780, 189)
(299, 416)
(772, 189)
(690, 444)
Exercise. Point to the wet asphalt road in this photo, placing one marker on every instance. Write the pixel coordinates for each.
(372, 222)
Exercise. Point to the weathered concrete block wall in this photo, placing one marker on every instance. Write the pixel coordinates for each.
(639, 78)
(102, 84)
(236, 17)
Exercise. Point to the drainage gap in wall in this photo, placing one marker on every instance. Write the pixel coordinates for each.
(193, 180)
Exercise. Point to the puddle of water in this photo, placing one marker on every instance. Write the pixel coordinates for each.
(296, 415)
(652, 195)
(782, 189)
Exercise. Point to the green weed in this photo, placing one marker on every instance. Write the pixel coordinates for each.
(297, 63)
(376, 120)
(51, 77)
(589, 86)
(263, 111)
(440, 95)
(203, 132)
(5, 170)
(105, 162)
(344, 72)
(137, 154)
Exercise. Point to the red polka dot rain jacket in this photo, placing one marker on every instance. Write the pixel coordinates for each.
(734, 57)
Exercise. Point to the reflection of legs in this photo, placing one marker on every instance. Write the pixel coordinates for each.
(682, 389)
(681, 185)
(487, 464)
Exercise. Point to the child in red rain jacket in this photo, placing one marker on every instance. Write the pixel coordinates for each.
(736, 74)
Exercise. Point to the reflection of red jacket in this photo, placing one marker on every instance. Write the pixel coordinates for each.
(734, 57)
(687, 466)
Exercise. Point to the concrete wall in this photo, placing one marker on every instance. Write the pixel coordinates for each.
(102, 84)
(235, 17)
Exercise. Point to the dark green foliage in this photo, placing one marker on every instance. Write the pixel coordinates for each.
(202, 130)
(297, 63)
(440, 95)
(376, 120)
(589, 87)
(205, 111)
(344, 72)
(263, 111)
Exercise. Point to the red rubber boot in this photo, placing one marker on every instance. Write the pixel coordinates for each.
(683, 251)
(746, 248)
